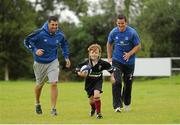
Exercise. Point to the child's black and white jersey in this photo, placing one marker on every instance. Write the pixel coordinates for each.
(94, 79)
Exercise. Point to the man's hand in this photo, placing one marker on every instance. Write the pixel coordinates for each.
(110, 60)
(126, 56)
(68, 63)
(39, 52)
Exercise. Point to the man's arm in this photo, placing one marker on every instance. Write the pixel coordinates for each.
(30, 40)
(109, 51)
(65, 52)
(29, 43)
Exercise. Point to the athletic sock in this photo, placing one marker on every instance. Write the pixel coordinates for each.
(98, 106)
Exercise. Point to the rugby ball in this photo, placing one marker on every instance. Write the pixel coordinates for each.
(86, 68)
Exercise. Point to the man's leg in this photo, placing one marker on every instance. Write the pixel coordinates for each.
(128, 81)
(53, 74)
(40, 74)
(38, 89)
(116, 87)
(54, 94)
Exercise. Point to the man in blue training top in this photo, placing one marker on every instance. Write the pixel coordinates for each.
(126, 45)
(44, 44)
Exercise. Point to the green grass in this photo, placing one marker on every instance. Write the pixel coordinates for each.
(153, 101)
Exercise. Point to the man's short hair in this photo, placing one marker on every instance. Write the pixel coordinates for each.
(52, 18)
(122, 16)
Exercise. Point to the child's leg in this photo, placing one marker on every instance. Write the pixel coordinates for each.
(97, 101)
(92, 103)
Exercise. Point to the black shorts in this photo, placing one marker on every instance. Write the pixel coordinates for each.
(92, 84)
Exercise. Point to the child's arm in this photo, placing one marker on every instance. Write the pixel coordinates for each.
(107, 66)
(80, 73)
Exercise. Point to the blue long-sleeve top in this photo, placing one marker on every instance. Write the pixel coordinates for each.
(43, 39)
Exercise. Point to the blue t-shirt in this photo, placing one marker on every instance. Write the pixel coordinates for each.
(123, 42)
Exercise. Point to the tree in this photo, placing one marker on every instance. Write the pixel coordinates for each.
(16, 21)
(91, 29)
(160, 19)
(80, 7)
(44, 8)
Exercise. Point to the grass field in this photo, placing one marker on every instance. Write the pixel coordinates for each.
(153, 101)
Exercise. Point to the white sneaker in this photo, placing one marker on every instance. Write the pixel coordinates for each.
(127, 108)
(118, 109)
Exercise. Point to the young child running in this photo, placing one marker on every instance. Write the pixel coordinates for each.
(94, 79)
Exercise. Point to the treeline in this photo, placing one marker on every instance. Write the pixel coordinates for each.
(157, 22)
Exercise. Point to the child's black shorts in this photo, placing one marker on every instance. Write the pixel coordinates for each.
(92, 84)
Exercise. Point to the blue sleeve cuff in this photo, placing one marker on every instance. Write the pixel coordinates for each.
(35, 49)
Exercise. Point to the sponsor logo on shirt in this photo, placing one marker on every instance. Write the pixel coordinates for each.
(122, 43)
(45, 40)
(126, 38)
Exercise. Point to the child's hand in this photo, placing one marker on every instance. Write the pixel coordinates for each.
(82, 74)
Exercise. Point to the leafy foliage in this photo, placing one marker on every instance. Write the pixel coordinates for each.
(15, 22)
(78, 6)
(161, 19)
(158, 25)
